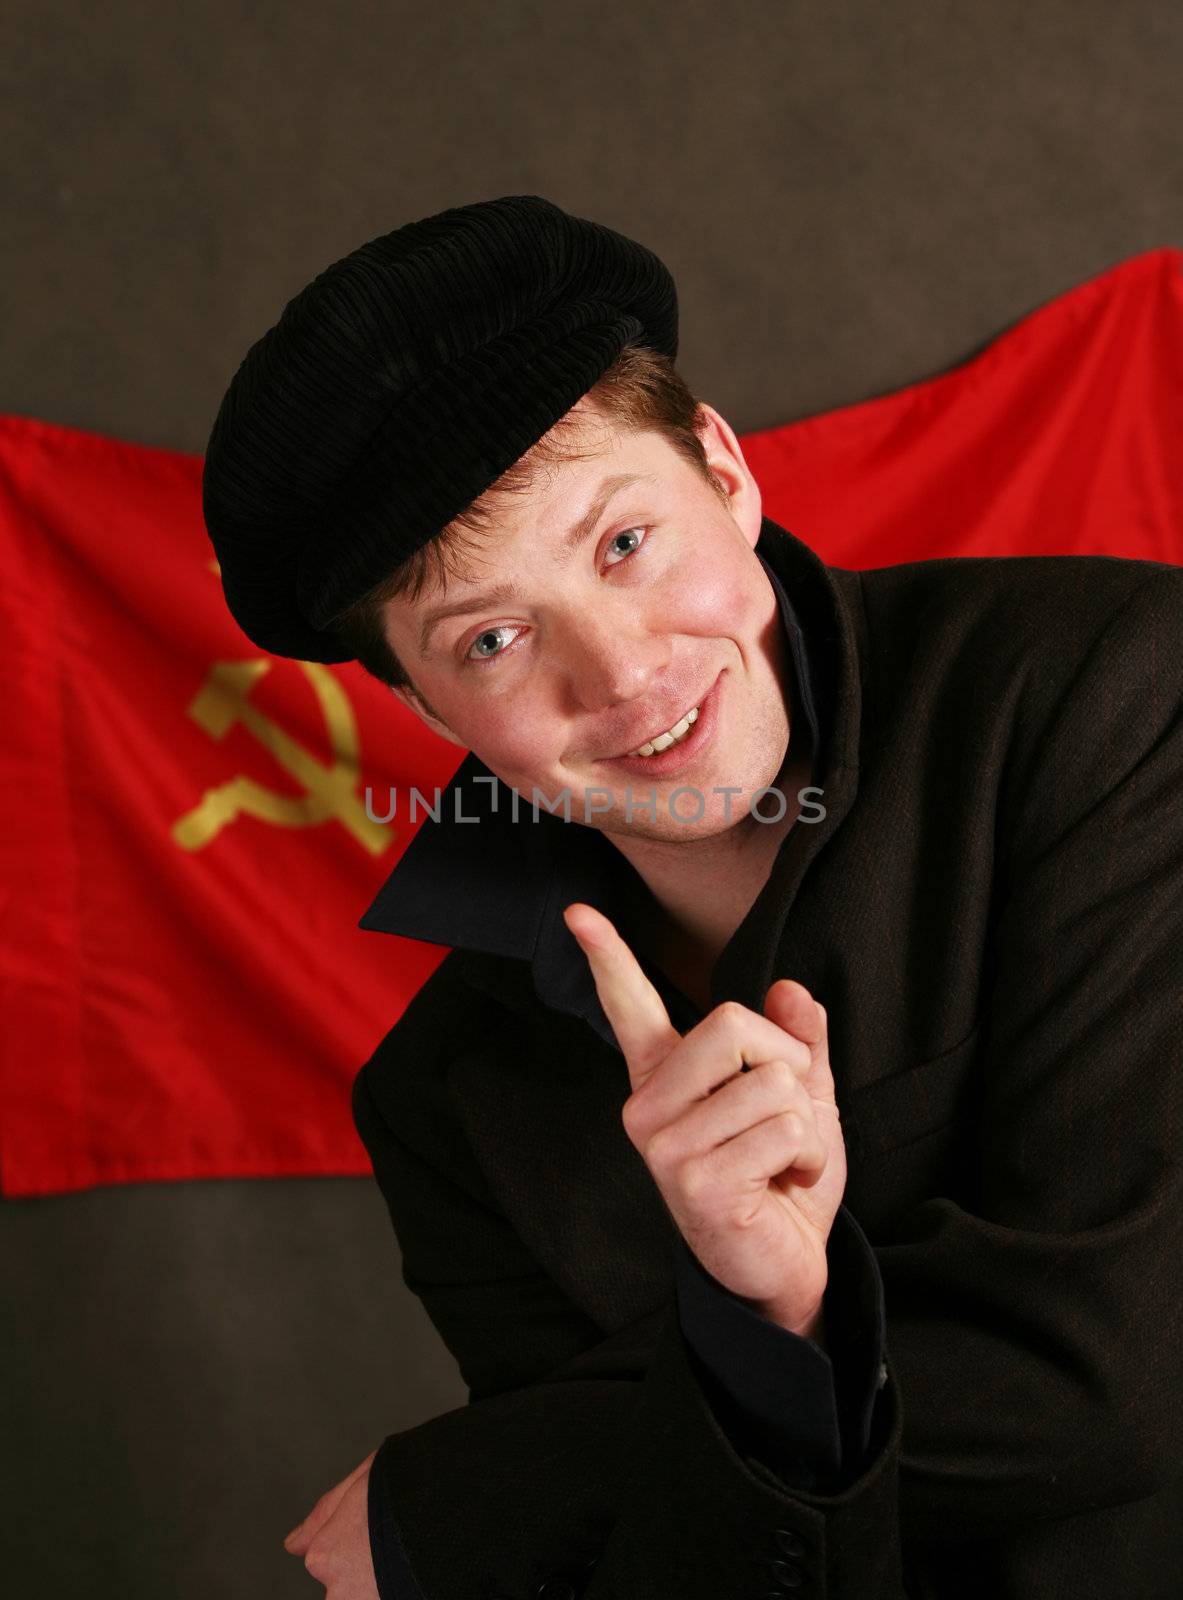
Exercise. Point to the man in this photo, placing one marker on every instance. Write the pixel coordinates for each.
(791, 1162)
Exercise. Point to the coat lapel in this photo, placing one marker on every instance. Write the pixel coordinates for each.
(541, 1105)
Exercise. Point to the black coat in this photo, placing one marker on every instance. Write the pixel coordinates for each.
(992, 913)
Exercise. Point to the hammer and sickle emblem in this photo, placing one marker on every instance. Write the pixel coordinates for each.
(329, 791)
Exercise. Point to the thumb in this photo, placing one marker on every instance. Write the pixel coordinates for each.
(303, 1533)
(290, 1541)
(791, 1006)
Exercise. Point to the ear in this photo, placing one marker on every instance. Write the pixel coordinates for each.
(725, 458)
(416, 704)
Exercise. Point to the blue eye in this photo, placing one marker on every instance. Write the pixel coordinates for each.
(626, 533)
(490, 633)
(505, 627)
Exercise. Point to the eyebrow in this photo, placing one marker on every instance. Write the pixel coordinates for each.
(508, 590)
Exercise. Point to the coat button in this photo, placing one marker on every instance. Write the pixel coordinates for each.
(787, 1575)
(788, 1542)
(882, 1375)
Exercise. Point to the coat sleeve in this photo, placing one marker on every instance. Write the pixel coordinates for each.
(1032, 1339)
(803, 1410)
(393, 1577)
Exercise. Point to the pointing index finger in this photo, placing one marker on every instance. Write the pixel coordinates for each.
(632, 1005)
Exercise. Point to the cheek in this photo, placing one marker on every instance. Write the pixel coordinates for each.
(506, 735)
(506, 751)
(717, 602)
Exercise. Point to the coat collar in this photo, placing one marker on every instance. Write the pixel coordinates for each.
(488, 878)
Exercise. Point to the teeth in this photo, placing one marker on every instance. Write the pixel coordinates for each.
(664, 740)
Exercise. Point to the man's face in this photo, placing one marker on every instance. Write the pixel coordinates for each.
(612, 633)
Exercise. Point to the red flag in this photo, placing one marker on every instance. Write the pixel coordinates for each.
(187, 852)
(186, 849)
(1061, 438)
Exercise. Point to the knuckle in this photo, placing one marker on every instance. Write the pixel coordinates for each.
(782, 1078)
(660, 1148)
(630, 1115)
(696, 1184)
(729, 1015)
(637, 1116)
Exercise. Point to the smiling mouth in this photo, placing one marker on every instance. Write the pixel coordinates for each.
(693, 724)
(670, 736)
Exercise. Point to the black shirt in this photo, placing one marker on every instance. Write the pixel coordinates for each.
(464, 883)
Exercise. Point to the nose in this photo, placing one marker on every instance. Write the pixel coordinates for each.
(613, 656)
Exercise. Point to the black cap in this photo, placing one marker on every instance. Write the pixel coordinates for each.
(395, 388)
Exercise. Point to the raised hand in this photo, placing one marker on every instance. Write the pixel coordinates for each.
(737, 1123)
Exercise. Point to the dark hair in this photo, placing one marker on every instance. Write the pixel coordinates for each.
(641, 390)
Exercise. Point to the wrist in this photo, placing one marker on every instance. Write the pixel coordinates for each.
(812, 1327)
